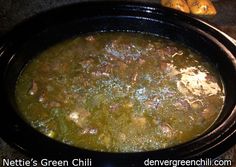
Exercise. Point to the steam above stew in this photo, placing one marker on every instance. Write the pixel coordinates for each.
(120, 92)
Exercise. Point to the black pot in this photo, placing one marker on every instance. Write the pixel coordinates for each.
(43, 30)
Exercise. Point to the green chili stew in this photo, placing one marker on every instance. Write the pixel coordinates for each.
(120, 92)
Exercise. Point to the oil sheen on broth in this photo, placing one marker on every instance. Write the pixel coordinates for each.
(120, 92)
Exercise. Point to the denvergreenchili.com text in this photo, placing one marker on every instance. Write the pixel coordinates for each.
(199, 162)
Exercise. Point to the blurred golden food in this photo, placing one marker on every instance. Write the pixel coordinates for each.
(176, 4)
(201, 7)
(197, 7)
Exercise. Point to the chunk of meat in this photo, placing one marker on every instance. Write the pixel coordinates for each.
(90, 38)
(182, 104)
(91, 131)
(33, 89)
(165, 67)
(79, 117)
(99, 74)
(114, 107)
(152, 103)
(74, 116)
(150, 47)
(210, 78)
(134, 78)
(141, 61)
(106, 67)
(171, 50)
(42, 98)
(208, 113)
(166, 129)
(86, 64)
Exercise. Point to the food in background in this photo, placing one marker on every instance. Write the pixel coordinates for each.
(176, 4)
(197, 7)
(201, 7)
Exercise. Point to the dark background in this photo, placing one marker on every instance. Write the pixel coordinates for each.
(14, 11)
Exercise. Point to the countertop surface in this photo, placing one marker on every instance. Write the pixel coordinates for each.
(14, 11)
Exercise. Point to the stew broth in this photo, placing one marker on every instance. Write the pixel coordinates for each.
(120, 92)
